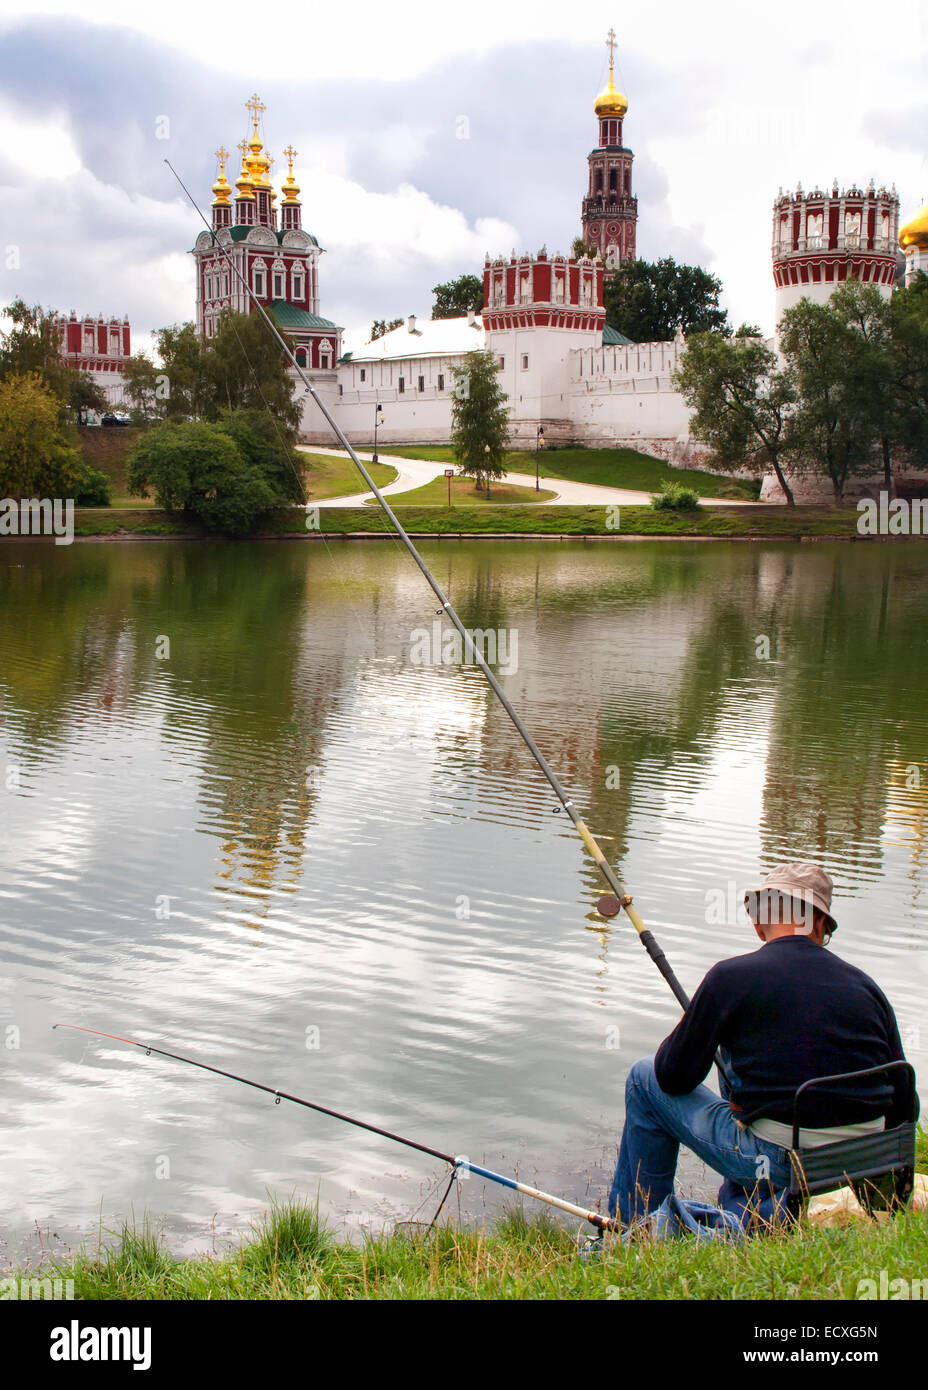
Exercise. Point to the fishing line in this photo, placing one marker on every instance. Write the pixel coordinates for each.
(457, 1163)
(619, 899)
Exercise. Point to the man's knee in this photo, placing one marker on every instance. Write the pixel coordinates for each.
(641, 1076)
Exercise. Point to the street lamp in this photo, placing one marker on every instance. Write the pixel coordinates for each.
(486, 450)
(378, 419)
(539, 444)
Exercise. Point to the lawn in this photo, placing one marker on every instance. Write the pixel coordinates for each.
(290, 1255)
(607, 467)
(465, 494)
(752, 523)
(328, 475)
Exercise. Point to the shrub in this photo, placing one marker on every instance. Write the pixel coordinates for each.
(674, 497)
(230, 475)
(92, 488)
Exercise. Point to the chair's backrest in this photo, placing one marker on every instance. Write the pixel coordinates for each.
(860, 1161)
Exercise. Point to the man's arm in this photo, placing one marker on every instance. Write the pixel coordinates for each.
(685, 1056)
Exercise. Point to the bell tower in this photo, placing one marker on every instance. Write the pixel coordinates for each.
(609, 217)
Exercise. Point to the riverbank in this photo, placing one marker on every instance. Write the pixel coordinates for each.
(291, 1255)
(504, 522)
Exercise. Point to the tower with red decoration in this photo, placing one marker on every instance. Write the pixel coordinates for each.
(610, 210)
(272, 252)
(821, 240)
(537, 310)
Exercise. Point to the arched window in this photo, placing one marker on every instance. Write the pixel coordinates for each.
(300, 355)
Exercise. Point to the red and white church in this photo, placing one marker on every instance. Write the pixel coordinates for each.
(271, 251)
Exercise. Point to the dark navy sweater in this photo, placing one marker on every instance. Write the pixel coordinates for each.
(784, 1013)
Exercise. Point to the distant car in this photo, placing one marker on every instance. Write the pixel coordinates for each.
(115, 418)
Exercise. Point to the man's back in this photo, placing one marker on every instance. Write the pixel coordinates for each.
(783, 1014)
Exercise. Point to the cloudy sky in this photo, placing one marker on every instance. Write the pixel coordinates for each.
(429, 134)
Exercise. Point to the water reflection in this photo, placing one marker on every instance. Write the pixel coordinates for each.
(285, 831)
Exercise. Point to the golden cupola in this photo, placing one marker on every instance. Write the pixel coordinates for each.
(610, 102)
(291, 189)
(244, 183)
(258, 162)
(222, 189)
(915, 232)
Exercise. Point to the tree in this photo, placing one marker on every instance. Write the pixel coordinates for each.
(909, 352)
(840, 383)
(182, 351)
(33, 345)
(379, 328)
(458, 297)
(245, 369)
(579, 248)
(479, 417)
(36, 457)
(228, 473)
(741, 401)
(264, 446)
(140, 384)
(85, 394)
(649, 302)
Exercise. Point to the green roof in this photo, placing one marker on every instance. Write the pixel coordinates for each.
(239, 233)
(290, 316)
(613, 338)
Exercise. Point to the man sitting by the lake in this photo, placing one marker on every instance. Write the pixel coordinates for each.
(779, 1015)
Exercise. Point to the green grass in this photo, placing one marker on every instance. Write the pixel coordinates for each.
(291, 1255)
(607, 467)
(594, 521)
(465, 494)
(327, 475)
(773, 523)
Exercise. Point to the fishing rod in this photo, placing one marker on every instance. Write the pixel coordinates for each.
(611, 903)
(458, 1163)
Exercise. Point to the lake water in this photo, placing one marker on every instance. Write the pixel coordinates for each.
(284, 848)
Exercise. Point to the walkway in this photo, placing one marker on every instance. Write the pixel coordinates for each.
(415, 473)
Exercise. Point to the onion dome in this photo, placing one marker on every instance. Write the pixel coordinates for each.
(291, 189)
(222, 189)
(244, 183)
(915, 232)
(610, 101)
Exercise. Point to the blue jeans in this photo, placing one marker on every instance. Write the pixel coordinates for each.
(656, 1124)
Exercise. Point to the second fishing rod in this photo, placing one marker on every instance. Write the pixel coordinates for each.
(620, 898)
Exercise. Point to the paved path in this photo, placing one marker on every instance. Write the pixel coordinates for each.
(415, 473)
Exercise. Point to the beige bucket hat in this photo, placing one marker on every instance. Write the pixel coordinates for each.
(807, 882)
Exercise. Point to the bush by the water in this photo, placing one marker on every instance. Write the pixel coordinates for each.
(230, 474)
(92, 488)
(674, 497)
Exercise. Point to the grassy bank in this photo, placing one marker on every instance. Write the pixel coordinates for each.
(606, 467)
(486, 519)
(327, 475)
(465, 493)
(290, 1255)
